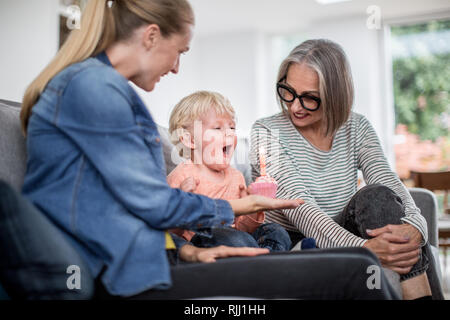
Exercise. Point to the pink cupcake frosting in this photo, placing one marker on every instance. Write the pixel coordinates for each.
(264, 186)
(266, 179)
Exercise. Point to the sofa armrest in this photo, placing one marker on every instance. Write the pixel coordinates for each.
(426, 201)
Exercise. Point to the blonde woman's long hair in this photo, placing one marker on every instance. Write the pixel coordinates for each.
(103, 24)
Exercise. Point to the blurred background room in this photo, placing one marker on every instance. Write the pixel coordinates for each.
(399, 52)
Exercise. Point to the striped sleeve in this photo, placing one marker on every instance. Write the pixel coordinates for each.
(375, 168)
(309, 219)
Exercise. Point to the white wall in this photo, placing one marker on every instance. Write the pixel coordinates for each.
(232, 64)
(29, 34)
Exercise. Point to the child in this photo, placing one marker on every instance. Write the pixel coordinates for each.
(203, 125)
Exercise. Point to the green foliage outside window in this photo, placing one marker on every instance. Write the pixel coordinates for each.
(422, 85)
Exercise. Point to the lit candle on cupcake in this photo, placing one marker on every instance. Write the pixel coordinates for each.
(262, 161)
(264, 185)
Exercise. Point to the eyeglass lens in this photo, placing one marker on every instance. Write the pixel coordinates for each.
(307, 101)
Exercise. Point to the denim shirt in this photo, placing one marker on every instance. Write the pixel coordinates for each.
(95, 168)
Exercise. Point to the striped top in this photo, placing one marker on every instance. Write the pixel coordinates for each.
(326, 180)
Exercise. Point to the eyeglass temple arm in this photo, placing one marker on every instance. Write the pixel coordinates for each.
(282, 79)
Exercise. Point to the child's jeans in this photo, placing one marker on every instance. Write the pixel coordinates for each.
(268, 235)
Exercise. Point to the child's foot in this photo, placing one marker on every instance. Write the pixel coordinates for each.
(304, 244)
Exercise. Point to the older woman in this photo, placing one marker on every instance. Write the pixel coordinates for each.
(315, 148)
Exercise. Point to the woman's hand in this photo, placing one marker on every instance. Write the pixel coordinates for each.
(397, 246)
(255, 203)
(191, 253)
(406, 230)
(189, 184)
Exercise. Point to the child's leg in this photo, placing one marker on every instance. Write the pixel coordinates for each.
(300, 242)
(224, 236)
(272, 236)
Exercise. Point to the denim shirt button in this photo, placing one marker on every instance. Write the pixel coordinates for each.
(157, 140)
(222, 223)
(199, 225)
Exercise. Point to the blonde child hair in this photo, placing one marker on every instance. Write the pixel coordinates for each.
(193, 107)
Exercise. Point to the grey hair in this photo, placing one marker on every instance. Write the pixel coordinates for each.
(328, 59)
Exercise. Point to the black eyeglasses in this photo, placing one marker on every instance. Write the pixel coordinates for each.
(288, 94)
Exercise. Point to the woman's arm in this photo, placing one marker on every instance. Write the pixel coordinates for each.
(256, 203)
(375, 168)
(309, 219)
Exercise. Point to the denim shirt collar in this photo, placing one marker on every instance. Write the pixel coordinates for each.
(103, 58)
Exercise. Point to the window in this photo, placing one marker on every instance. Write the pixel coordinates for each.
(421, 73)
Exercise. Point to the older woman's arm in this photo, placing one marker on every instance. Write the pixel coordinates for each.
(309, 219)
(372, 162)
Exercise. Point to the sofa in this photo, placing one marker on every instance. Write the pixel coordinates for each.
(13, 167)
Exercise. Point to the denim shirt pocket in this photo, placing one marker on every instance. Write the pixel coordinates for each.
(153, 141)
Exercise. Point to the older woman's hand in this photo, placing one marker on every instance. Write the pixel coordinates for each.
(406, 230)
(191, 253)
(255, 203)
(397, 246)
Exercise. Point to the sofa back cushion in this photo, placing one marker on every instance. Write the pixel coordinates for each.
(12, 145)
(171, 156)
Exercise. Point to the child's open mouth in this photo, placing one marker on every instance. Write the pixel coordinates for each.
(227, 150)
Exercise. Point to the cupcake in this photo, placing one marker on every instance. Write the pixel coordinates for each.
(264, 186)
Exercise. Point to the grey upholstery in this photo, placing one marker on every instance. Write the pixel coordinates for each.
(427, 203)
(12, 145)
(171, 156)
